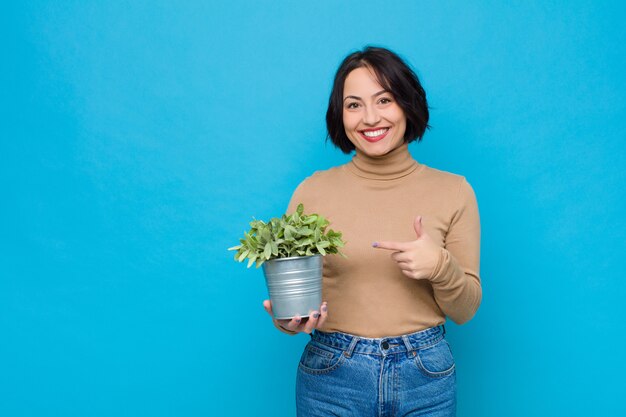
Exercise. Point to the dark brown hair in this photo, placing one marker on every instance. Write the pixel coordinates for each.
(394, 75)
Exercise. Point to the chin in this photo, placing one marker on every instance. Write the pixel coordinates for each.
(373, 149)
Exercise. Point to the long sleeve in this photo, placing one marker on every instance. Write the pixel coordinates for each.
(456, 279)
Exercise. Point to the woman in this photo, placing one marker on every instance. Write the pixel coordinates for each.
(413, 234)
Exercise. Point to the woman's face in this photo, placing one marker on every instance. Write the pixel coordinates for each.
(374, 122)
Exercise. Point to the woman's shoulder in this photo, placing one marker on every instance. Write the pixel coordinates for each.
(324, 176)
(312, 189)
(440, 175)
(445, 180)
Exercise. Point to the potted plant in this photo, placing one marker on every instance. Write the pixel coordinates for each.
(290, 249)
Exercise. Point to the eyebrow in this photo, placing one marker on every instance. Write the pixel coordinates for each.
(373, 95)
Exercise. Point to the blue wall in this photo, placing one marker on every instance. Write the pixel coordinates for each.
(139, 138)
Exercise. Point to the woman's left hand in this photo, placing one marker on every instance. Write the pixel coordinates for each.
(418, 258)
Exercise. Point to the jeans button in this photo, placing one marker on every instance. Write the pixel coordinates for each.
(385, 345)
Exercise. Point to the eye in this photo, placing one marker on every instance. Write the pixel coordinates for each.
(384, 100)
(352, 105)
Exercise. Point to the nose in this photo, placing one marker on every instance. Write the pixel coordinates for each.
(371, 116)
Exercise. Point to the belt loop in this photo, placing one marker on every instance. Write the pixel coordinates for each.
(407, 343)
(350, 349)
(443, 327)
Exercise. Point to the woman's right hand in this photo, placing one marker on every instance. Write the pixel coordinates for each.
(298, 324)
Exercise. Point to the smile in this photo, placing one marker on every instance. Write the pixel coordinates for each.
(374, 135)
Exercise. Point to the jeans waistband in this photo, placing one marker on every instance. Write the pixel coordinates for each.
(380, 346)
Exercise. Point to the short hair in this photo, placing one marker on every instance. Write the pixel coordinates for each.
(395, 76)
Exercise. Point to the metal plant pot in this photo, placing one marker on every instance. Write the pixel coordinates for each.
(294, 285)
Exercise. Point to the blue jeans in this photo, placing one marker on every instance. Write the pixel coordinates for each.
(344, 375)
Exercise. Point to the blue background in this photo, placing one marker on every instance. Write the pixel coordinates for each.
(139, 138)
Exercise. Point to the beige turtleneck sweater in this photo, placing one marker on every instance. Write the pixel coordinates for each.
(377, 199)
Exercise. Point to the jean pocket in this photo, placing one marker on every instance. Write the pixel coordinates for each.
(320, 359)
(435, 361)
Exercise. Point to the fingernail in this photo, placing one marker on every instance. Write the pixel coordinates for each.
(316, 315)
(324, 308)
(375, 244)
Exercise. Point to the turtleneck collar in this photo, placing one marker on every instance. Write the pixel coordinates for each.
(395, 164)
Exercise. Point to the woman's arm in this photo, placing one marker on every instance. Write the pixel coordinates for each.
(453, 269)
(456, 279)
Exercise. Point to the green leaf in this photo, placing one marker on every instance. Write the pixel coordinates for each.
(320, 249)
(310, 219)
(307, 241)
(268, 250)
(257, 224)
(322, 222)
(252, 259)
(300, 209)
(243, 255)
(265, 235)
(305, 231)
(235, 247)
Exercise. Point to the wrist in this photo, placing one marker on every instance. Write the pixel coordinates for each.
(438, 262)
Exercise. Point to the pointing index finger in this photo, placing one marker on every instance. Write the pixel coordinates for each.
(394, 246)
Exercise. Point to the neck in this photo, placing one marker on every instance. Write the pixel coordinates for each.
(395, 164)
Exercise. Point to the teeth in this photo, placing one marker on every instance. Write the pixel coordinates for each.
(373, 134)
